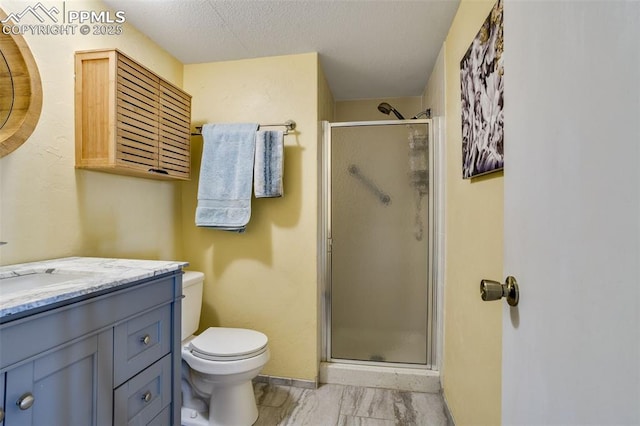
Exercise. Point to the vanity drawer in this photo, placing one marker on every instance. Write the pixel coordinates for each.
(142, 399)
(141, 341)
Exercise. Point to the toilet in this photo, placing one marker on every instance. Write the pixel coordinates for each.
(218, 366)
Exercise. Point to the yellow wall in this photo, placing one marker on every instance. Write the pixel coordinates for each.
(474, 208)
(47, 208)
(266, 278)
(434, 95)
(326, 103)
(367, 109)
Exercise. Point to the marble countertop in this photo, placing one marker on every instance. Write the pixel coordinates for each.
(93, 275)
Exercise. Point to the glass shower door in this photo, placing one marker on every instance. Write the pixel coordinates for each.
(379, 267)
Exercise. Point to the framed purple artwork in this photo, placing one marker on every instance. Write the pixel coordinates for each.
(481, 81)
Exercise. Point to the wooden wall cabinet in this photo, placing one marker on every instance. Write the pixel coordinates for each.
(128, 120)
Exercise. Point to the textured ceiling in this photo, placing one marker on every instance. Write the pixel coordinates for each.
(368, 49)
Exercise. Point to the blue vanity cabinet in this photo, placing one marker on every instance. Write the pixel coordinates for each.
(93, 361)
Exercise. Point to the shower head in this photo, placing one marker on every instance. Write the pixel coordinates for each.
(385, 108)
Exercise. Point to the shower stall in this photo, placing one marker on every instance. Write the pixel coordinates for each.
(378, 244)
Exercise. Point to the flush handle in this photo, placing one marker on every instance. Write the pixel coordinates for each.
(493, 290)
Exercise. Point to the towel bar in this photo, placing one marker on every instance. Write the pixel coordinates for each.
(289, 125)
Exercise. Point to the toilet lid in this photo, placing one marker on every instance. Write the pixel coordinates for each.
(228, 344)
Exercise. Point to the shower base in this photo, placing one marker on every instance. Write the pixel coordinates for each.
(375, 352)
(375, 376)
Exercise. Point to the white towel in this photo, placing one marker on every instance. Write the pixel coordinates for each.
(269, 164)
(226, 171)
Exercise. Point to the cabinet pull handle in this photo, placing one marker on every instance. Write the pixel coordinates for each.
(25, 401)
(1, 415)
(162, 172)
(145, 340)
(146, 397)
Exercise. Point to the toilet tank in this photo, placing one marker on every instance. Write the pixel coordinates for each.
(192, 285)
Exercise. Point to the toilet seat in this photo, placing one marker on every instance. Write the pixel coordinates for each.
(228, 344)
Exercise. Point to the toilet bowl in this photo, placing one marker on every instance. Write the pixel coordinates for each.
(218, 366)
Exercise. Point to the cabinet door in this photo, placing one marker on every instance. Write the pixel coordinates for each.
(2, 399)
(137, 94)
(175, 139)
(65, 387)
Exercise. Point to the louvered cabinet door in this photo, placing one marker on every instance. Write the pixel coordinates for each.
(175, 139)
(136, 116)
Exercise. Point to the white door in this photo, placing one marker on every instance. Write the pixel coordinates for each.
(571, 349)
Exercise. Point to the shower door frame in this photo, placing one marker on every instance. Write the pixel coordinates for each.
(325, 242)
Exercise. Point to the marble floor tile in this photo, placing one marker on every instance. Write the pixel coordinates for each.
(272, 416)
(275, 403)
(368, 402)
(425, 409)
(338, 405)
(276, 395)
(319, 407)
(363, 421)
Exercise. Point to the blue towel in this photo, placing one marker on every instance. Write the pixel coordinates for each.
(267, 172)
(226, 171)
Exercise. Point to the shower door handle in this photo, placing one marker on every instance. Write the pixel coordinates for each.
(493, 290)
